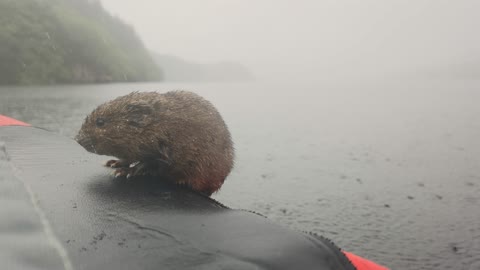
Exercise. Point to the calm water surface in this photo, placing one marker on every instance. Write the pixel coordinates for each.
(390, 171)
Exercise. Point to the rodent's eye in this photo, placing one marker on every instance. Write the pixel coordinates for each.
(100, 122)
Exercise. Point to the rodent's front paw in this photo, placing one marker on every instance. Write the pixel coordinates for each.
(114, 163)
(129, 170)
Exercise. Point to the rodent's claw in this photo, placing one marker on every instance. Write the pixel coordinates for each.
(109, 163)
(118, 174)
(134, 164)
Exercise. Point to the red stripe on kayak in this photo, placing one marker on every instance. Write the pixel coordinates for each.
(363, 264)
(7, 121)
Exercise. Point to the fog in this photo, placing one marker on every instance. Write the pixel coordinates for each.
(311, 38)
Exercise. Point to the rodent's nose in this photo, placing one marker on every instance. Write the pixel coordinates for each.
(80, 137)
(86, 142)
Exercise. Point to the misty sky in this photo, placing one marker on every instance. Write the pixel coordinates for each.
(307, 37)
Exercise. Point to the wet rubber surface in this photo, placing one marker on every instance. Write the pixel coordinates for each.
(23, 242)
(92, 221)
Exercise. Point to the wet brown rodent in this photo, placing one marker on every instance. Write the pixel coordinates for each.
(178, 136)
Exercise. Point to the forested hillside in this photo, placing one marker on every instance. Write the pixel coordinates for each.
(69, 41)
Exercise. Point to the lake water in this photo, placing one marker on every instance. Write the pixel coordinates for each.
(390, 171)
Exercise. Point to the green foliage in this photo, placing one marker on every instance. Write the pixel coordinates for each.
(69, 41)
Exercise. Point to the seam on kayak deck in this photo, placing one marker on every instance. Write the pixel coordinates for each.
(47, 228)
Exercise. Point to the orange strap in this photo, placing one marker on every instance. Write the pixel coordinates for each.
(7, 121)
(363, 264)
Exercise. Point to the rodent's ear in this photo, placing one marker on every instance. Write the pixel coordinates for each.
(140, 108)
(138, 114)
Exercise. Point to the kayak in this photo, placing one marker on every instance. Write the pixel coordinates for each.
(63, 210)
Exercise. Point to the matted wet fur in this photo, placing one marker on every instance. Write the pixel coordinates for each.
(178, 136)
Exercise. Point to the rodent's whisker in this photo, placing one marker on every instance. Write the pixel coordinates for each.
(93, 147)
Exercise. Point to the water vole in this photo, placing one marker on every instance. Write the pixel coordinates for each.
(178, 136)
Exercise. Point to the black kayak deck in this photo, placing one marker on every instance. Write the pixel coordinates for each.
(64, 210)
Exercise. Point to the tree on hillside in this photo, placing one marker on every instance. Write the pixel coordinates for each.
(69, 41)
